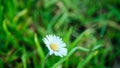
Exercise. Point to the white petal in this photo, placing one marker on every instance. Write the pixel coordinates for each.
(62, 45)
(60, 55)
(51, 52)
(46, 41)
(48, 47)
(56, 53)
(49, 38)
(63, 51)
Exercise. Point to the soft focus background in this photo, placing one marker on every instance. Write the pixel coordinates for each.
(90, 28)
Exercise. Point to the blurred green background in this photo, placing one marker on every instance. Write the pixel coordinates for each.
(90, 28)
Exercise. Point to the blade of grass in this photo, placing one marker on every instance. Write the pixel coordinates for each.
(61, 20)
(9, 37)
(103, 29)
(52, 22)
(24, 58)
(1, 64)
(20, 14)
(79, 38)
(48, 3)
(39, 49)
(96, 47)
(1, 12)
(35, 62)
(68, 34)
(5, 27)
(70, 53)
(87, 59)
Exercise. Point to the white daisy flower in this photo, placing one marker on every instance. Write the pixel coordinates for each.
(55, 45)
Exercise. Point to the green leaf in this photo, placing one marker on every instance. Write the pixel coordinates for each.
(39, 49)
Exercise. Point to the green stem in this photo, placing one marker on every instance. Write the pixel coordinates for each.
(44, 62)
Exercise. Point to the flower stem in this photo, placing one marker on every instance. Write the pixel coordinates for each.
(44, 62)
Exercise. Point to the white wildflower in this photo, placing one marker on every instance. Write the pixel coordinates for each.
(55, 45)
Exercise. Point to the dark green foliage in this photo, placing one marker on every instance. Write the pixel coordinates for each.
(90, 28)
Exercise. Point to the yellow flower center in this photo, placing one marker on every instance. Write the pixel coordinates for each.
(54, 46)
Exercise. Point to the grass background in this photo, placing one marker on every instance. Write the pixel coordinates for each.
(90, 28)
